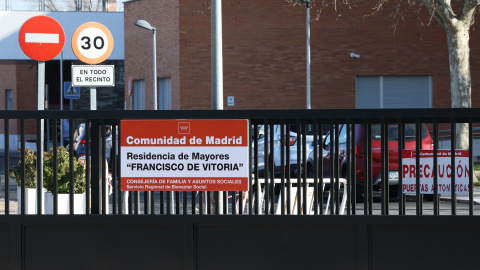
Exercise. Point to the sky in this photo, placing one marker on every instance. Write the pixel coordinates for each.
(33, 5)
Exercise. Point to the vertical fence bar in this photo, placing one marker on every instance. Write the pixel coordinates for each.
(302, 162)
(266, 164)
(314, 173)
(39, 166)
(418, 143)
(55, 174)
(436, 201)
(366, 164)
(387, 170)
(272, 168)
(185, 203)
(169, 202)
(352, 169)
(193, 195)
(225, 201)
(284, 140)
(348, 157)
(370, 171)
(333, 160)
(289, 173)
(384, 166)
(320, 170)
(177, 201)
(254, 208)
(162, 201)
(88, 167)
(401, 131)
(152, 202)
(7, 165)
(336, 167)
(452, 165)
(22, 167)
(299, 168)
(256, 187)
(470, 167)
(116, 194)
(70, 166)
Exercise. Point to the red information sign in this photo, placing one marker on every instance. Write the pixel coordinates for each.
(185, 155)
(41, 38)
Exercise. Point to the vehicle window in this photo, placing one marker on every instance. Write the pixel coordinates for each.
(342, 136)
(410, 132)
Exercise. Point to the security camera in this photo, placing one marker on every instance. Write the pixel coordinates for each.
(354, 55)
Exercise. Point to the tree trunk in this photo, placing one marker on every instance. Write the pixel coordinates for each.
(460, 81)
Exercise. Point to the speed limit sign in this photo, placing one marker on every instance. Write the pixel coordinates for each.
(92, 43)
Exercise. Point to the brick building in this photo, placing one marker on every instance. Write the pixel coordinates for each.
(264, 57)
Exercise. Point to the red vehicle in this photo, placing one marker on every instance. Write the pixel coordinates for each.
(359, 148)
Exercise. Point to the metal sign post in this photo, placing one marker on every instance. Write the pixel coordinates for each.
(92, 43)
(41, 38)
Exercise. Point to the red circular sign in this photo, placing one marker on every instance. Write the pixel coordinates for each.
(41, 38)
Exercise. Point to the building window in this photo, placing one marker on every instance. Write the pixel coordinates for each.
(393, 92)
(165, 93)
(8, 100)
(139, 94)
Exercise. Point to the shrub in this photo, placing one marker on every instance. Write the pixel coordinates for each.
(30, 169)
(63, 171)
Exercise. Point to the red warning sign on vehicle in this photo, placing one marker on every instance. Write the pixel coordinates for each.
(184, 155)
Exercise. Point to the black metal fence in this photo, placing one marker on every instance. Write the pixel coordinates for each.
(330, 179)
(294, 214)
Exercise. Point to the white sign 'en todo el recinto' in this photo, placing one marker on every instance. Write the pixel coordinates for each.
(184, 155)
(93, 76)
(460, 170)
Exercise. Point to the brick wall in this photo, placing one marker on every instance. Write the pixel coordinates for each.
(163, 15)
(264, 52)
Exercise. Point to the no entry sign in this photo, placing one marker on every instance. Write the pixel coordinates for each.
(41, 38)
(184, 155)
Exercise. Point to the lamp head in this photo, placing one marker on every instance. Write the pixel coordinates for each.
(144, 24)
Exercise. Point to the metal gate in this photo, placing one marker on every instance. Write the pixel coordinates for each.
(317, 196)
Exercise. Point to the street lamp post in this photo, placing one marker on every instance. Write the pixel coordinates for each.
(146, 25)
(307, 5)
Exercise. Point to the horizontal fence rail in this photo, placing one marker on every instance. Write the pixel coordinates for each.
(303, 162)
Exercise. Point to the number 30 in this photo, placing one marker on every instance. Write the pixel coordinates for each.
(98, 43)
